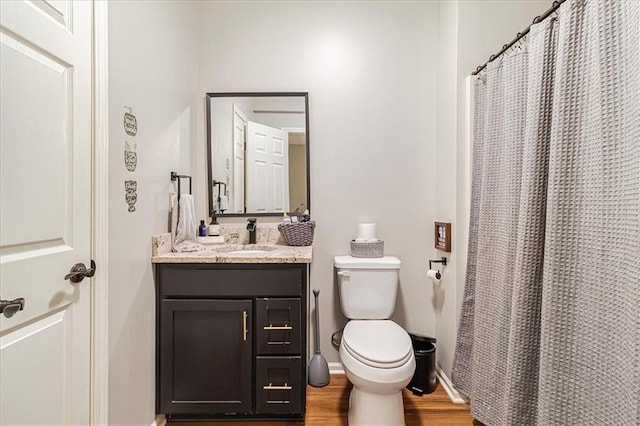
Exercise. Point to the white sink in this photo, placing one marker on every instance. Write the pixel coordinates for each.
(248, 251)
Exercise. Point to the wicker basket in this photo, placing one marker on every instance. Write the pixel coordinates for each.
(297, 234)
(370, 249)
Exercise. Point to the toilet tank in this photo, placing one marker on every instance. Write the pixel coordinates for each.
(367, 286)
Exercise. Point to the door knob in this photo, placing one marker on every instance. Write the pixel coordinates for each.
(79, 271)
(10, 307)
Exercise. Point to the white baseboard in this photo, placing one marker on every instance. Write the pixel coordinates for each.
(335, 368)
(455, 396)
(160, 420)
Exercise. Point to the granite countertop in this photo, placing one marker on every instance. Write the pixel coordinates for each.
(230, 253)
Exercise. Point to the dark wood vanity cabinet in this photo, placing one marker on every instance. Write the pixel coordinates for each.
(231, 341)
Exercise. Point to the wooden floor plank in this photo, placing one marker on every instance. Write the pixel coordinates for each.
(328, 406)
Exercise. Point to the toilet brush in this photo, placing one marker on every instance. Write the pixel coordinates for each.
(318, 367)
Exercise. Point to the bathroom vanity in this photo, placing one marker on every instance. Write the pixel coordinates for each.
(231, 333)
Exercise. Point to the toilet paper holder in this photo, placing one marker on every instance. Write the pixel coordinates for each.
(442, 260)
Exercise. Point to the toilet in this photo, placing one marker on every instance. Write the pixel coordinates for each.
(376, 353)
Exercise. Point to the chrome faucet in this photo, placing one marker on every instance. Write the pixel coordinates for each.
(251, 226)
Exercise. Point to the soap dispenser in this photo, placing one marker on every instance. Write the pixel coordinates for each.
(214, 227)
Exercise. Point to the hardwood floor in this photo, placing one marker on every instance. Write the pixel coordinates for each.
(328, 406)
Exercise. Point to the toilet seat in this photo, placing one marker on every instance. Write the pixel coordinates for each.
(377, 343)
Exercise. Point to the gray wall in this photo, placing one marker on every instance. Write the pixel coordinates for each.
(153, 67)
(370, 72)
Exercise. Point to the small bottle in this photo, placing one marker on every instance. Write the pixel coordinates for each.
(286, 219)
(202, 230)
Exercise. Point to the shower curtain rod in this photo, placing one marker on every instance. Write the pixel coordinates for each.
(556, 4)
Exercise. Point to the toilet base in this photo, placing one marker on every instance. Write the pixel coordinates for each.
(372, 409)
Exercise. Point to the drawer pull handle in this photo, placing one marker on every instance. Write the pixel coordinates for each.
(278, 327)
(271, 387)
(244, 325)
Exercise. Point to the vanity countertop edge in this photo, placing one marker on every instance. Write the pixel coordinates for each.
(276, 253)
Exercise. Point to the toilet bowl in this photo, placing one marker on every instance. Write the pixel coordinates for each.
(378, 360)
(376, 353)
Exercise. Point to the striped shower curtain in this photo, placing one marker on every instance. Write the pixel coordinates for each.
(550, 326)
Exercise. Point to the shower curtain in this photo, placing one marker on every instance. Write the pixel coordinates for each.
(550, 326)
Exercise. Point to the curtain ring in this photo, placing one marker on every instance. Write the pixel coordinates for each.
(519, 37)
(536, 19)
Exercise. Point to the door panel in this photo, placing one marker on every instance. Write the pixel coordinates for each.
(239, 137)
(24, 386)
(58, 10)
(45, 195)
(278, 179)
(27, 75)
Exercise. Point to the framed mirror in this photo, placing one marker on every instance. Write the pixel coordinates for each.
(257, 153)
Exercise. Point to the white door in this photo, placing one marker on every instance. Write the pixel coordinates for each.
(45, 224)
(267, 169)
(237, 184)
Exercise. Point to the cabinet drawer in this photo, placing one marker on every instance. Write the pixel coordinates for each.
(278, 385)
(278, 326)
(214, 280)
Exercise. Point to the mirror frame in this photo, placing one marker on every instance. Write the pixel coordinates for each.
(210, 95)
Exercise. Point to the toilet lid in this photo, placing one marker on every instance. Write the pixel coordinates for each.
(378, 343)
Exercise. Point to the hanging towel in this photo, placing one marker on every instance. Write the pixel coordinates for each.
(183, 225)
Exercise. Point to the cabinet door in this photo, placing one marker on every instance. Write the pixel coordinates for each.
(205, 356)
(278, 326)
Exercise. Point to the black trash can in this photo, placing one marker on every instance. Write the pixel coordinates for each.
(424, 378)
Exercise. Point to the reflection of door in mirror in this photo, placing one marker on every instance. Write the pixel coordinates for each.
(237, 184)
(267, 169)
(270, 176)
